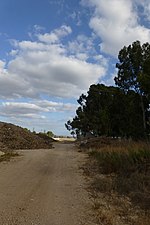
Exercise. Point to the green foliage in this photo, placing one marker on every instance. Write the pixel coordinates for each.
(50, 134)
(108, 111)
(26, 129)
(134, 68)
(134, 74)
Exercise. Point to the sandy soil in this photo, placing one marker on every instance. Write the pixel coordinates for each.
(44, 187)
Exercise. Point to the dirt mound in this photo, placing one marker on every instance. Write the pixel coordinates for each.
(3, 147)
(15, 137)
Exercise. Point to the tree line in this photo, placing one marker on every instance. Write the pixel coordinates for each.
(122, 110)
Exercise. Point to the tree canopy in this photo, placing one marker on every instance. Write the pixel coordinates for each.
(122, 110)
(134, 74)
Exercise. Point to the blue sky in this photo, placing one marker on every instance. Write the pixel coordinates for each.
(51, 51)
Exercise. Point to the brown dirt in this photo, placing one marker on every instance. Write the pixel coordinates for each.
(45, 187)
(15, 137)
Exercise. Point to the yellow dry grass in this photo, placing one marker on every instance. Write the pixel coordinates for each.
(119, 175)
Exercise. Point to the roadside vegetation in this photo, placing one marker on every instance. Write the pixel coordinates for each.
(125, 158)
(119, 182)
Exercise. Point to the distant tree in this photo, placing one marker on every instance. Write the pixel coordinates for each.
(50, 133)
(26, 129)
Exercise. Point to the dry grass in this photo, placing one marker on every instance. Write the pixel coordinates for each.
(124, 159)
(120, 182)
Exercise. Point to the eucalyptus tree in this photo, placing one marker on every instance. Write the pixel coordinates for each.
(134, 74)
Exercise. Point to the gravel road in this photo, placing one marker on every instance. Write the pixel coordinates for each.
(44, 187)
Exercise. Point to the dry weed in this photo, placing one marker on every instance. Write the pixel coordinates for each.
(120, 183)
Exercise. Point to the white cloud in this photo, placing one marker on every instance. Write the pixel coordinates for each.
(38, 115)
(13, 52)
(21, 109)
(56, 106)
(34, 109)
(145, 6)
(55, 35)
(54, 74)
(52, 69)
(82, 45)
(109, 81)
(116, 23)
(38, 28)
(12, 85)
(2, 67)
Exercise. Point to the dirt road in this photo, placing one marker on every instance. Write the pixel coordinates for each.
(44, 187)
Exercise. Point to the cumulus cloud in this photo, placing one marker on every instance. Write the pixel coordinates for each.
(37, 115)
(55, 35)
(145, 6)
(82, 47)
(56, 106)
(49, 67)
(117, 23)
(2, 67)
(21, 109)
(34, 109)
(12, 85)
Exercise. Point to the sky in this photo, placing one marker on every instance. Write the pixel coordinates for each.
(51, 51)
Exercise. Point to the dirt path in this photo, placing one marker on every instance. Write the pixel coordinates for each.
(44, 187)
